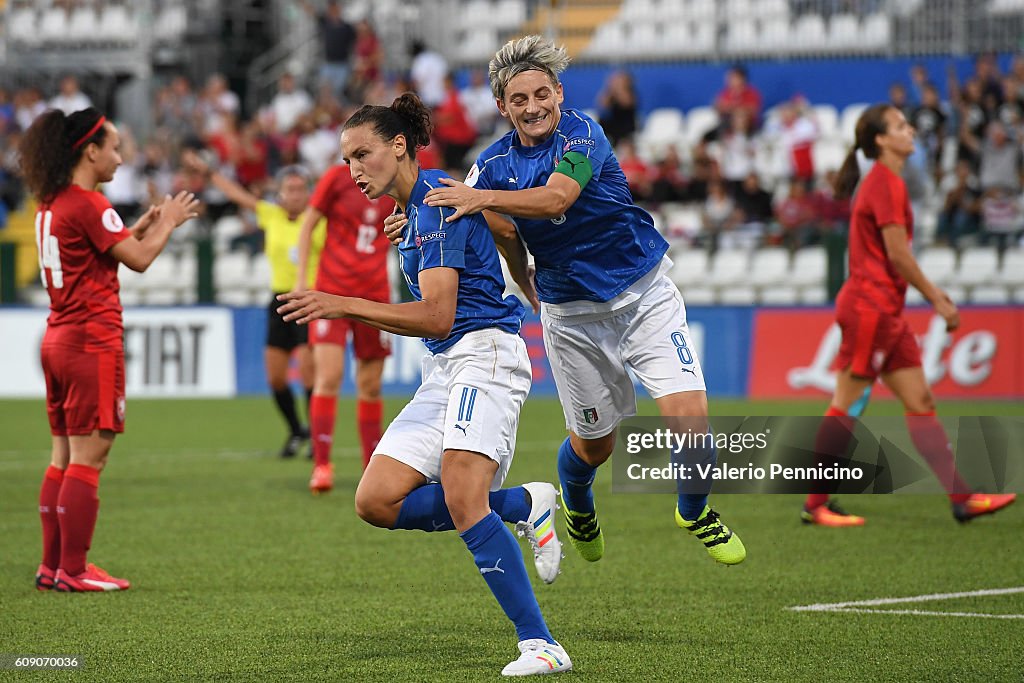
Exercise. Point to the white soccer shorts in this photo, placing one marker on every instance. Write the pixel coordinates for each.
(469, 400)
(589, 359)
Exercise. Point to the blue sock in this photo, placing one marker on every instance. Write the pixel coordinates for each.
(424, 508)
(691, 502)
(500, 561)
(576, 478)
(861, 404)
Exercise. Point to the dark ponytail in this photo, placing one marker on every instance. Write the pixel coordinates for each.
(406, 116)
(870, 125)
(52, 147)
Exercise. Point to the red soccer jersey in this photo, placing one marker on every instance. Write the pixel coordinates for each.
(354, 259)
(74, 234)
(881, 200)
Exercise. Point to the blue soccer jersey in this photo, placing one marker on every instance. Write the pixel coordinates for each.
(465, 245)
(604, 242)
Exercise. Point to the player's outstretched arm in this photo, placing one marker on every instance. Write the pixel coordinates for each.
(550, 201)
(514, 252)
(432, 317)
(313, 216)
(898, 249)
(174, 211)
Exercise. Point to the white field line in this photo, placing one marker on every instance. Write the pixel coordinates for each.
(859, 606)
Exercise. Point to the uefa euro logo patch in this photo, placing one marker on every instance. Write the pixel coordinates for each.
(590, 415)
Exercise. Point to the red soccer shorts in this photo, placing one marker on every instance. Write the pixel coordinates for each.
(84, 390)
(874, 343)
(368, 343)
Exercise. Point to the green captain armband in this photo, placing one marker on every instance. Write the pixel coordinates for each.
(577, 167)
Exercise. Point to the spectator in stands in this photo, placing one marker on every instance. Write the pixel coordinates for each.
(12, 191)
(705, 169)
(28, 104)
(930, 122)
(636, 170)
(70, 98)
(898, 98)
(1011, 110)
(453, 129)
(973, 118)
(918, 82)
(176, 109)
(252, 166)
(961, 209)
(736, 150)
(738, 93)
(833, 211)
(126, 190)
(986, 71)
(7, 111)
(1001, 181)
(719, 214)
(367, 59)
(157, 173)
(617, 104)
(318, 142)
(797, 217)
(428, 70)
(339, 40)
(289, 104)
(796, 134)
(479, 103)
(216, 103)
(754, 204)
(668, 184)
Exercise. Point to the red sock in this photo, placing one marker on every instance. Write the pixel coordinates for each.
(77, 507)
(321, 427)
(369, 415)
(932, 443)
(830, 444)
(48, 495)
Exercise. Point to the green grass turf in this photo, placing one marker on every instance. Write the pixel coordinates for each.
(240, 575)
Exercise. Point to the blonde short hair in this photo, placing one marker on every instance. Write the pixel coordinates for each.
(529, 53)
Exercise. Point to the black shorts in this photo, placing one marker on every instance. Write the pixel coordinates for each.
(280, 334)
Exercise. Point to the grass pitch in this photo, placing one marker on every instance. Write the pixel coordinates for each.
(240, 575)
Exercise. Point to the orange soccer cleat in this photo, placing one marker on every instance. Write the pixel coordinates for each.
(981, 504)
(830, 514)
(92, 579)
(322, 480)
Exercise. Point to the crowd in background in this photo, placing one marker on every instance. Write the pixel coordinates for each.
(977, 195)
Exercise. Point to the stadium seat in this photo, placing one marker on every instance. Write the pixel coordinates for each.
(117, 25)
(21, 26)
(639, 11)
(809, 34)
(742, 36)
(171, 23)
(1018, 295)
(478, 44)
(689, 268)
(224, 231)
(682, 220)
(610, 38)
(827, 119)
(844, 32)
(53, 25)
(1006, 7)
(810, 266)
(828, 154)
(990, 294)
(775, 35)
(770, 9)
(957, 293)
(814, 296)
(978, 266)
(876, 31)
(644, 39)
(914, 297)
(769, 266)
(1012, 272)
(232, 272)
(39, 297)
(938, 263)
(728, 267)
(699, 121)
(132, 285)
(663, 128)
(260, 274)
(84, 25)
(476, 14)
(698, 296)
(509, 14)
(778, 296)
(848, 121)
(737, 295)
(702, 10)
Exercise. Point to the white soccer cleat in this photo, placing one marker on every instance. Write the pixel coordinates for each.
(539, 530)
(538, 657)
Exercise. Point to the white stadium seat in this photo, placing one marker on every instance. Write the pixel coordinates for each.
(990, 294)
(689, 268)
(978, 265)
(737, 295)
(778, 296)
(769, 266)
(938, 263)
(742, 36)
(828, 154)
(509, 14)
(84, 25)
(844, 32)
(53, 25)
(775, 34)
(728, 267)
(814, 296)
(22, 25)
(827, 119)
(232, 272)
(809, 33)
(698, 296)
(810, 266)
(876, 31)
(1012, 272)
(848, 121)
(699, 121)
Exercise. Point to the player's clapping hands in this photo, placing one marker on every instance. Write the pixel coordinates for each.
(305, 306)
(459, 196)
(181, 207)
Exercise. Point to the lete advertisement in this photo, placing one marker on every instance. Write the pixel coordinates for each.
(793, 351)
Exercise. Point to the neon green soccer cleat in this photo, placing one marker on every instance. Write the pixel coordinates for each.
(722, 544)
(584, 533)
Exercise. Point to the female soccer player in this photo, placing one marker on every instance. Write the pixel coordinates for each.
(876, 339)
(352, 263)
(281, 224)
(440, 463)
(601, 275)
(81, 240)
